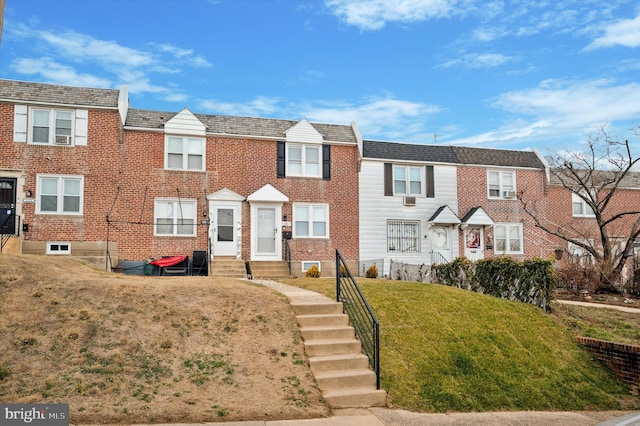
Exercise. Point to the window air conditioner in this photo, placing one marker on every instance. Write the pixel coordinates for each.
(63, 140)
(409, 201)
(509, 194)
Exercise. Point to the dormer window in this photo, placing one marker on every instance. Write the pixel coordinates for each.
(304, 160)
(184, 153)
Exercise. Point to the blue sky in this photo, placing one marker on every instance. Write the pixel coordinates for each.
(520, 74)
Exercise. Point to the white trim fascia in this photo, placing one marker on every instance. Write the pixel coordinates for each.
(55, 104)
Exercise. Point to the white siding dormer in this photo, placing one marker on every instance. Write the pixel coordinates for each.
(185, 123)
(303, 132)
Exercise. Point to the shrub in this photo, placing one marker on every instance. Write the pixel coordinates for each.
(343, 271)
(372, 272)
(312, 272)
(575, 278)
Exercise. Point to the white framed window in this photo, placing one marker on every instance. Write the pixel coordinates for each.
(304, 160)
(310, 221)
(175, 217)
(580, 254)
(59, 194)
(308, 264)
(501, 184)
(184, 153)
(580, 207)
(57, 247)
(51, 126)
(508, 238)
(407, 180)
(403, 236)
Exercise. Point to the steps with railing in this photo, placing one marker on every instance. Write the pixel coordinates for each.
(7, 231)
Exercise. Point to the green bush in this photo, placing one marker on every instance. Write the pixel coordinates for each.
(530, 281)
(312, 272)
(372, 272)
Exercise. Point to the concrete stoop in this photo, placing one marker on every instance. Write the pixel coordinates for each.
(269, 270)
(227, 267)
(335, 355)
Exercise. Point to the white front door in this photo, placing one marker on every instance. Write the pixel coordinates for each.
(266, 241)
(440, 244)
(225, 238)
(474, 243)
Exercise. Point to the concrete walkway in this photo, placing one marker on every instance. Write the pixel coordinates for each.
(600, 305)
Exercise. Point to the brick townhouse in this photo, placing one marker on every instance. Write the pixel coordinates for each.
(87, 175)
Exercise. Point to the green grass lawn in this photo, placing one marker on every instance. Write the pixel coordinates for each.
(445, 349)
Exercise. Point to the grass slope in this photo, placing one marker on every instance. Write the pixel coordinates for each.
(445, 349)
(123, 349)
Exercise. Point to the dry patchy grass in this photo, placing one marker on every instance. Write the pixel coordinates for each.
(125, 349)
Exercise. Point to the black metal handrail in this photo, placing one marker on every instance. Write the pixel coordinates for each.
(5, 236)
(362, 318)
(287, 254)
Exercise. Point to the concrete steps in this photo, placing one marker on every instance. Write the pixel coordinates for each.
(269, 270)
(335, 355)
(227, 267)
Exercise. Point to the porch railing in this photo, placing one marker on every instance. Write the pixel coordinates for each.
(287, 254)
(438, 258)
(361, 316)
(8, 233)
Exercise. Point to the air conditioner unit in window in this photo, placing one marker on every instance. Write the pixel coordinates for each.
(63, 140)
(409, 201)
(509, 194)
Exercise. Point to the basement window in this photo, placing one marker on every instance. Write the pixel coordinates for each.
(309, 264)
(58, 247)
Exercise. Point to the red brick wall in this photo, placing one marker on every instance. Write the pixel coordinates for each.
(124, 172)
(623, 359)
(472, 192)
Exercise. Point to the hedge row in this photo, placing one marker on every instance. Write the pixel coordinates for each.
(530, 281)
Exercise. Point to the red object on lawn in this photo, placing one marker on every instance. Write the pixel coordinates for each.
(168, 261)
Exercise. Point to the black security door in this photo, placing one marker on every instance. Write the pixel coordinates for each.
(8, 205)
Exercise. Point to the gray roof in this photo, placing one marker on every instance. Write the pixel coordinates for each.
(630, 180)
(408, 152)
(498, 157)
(245, 126)
(13, 90)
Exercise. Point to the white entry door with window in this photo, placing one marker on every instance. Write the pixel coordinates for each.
(225, 236)
(474, 243)
(267, 240)
(440, 244)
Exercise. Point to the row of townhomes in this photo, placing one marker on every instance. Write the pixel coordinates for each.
(84, 174)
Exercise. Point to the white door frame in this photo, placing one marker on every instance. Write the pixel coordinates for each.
(277, 232)
(441, 241)
(225, 248)
(225, 198)
(474, 242)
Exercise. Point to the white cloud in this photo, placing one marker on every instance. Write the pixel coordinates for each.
(582, 102)
(625, 33)
(478, 60)
(375, 14)
(260, 106)
(79, 55)
(56, 73)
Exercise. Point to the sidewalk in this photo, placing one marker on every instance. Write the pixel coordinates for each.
(599, 305)
(389, 417)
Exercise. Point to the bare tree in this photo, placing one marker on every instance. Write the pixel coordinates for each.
(597, 175)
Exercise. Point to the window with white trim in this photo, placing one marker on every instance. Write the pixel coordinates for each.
(508, 238)
(501, 184)
(51, 126)
(58, 247)
(59, 194)
(175, 217)
(184, 153)
(580, 207)
(407, 180)
(310, 221)
(308, 264)
(304, 160)
(403, 236)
